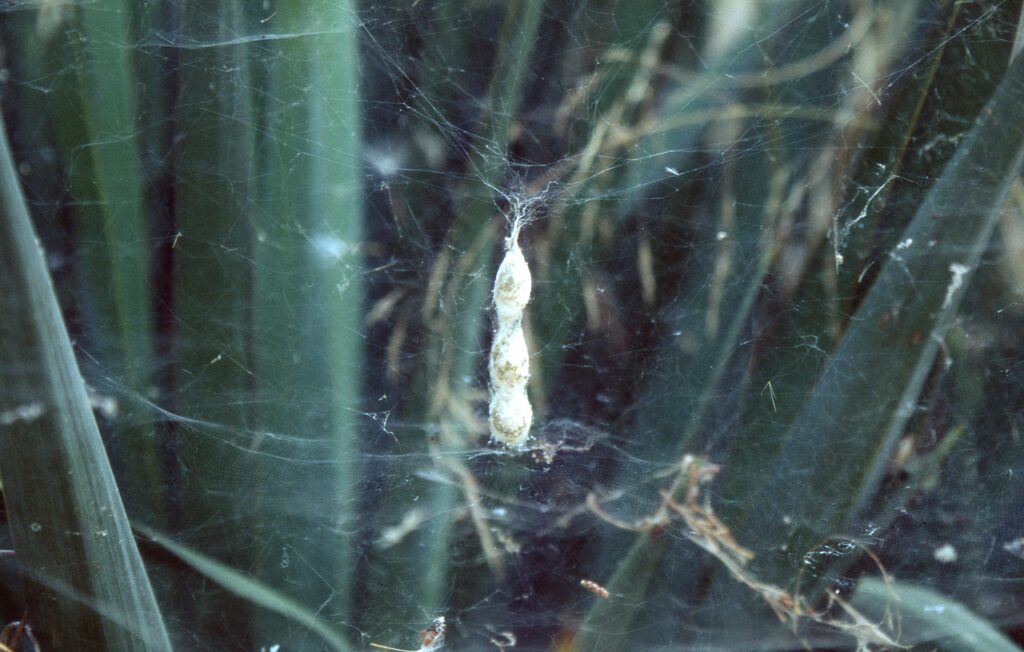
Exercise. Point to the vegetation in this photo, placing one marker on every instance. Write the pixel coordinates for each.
(246, 261)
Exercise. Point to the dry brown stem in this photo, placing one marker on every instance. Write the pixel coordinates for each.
(704, 529)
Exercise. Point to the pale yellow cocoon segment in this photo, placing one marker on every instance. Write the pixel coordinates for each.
(511, 416)
(510, 359)
(512, 285)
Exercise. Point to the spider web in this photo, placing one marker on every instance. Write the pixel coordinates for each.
(698, 237)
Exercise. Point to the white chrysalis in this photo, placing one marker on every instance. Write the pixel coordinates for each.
(510, 411)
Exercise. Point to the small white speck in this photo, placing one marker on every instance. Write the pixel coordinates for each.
(958, 272)
(1015, 547)
(934, 608)
(905, 244)
(25, 412)
(672, 170)
(105, 405)
(722, 235)
(386, 160)
(35, 527)
(945, 554)
(328, 248)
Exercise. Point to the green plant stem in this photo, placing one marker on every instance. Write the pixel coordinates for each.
(307, 304)
(213, 200)
(94, 120)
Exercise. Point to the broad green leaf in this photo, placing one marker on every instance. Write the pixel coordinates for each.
(928, 618)
(88, 589)
(607, 624)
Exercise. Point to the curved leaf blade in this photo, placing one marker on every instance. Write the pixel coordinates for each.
(927, 616)
(245, 587)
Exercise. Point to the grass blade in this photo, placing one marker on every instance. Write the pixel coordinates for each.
(842, 438)
(929, 617)
(90, 590)
(107, 87)
(918, 135)
(307, 303)
(251, 590)
(213, 201)
(89, 56)
(873, 213)
(765, 422)
(95, 124)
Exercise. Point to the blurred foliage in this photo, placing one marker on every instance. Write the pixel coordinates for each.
(774, 329)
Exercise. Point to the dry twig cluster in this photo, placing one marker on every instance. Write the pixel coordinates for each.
(707, 531)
